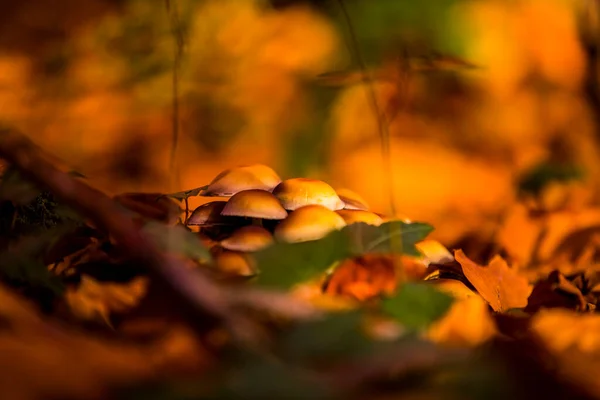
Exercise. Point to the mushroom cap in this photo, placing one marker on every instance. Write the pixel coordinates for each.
(306, 223)
(254, 203)
(398, 217)
(233, 180)
(233, 263)
(298, 192)
(353, 216)
(248, 238)
(352, 200)
(434, 251)
(207, 213)
(264, 173)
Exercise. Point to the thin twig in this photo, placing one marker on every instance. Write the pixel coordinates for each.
(188, 289)
(382, 125)
(384, 132)
(192, 291)
(171, 6)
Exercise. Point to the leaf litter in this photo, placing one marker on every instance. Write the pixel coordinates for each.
(390, 321)
(352, 275)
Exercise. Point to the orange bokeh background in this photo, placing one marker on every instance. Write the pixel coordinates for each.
(457, 147)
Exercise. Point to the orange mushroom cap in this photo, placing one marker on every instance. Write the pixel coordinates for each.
(306, 223)
(298, 192)
(248, 238)
(352, 200)
(207, 213)
(353, 216)
(231, 181)
(254, 203)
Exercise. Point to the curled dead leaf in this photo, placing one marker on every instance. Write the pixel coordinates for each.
(502, 287)
(468, 323)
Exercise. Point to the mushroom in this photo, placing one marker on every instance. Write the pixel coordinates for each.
(232, 262)
(264, 173)
(231, 181)
(306, 223)
(207, 213)
(353, 216)
(434, 252)
(352, 200)
(297, 192)
(207, 217)
(255, 204)
(248, 238)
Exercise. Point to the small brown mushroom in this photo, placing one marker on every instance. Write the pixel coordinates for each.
(248, 238)
(298, 192)
(234, 180)
(352, 200)
(233, 262)
(207, 213)
(434, 252)
(354, 216)
(254, 203)
(306, 223)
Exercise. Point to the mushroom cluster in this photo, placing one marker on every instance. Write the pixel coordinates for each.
(260, 208)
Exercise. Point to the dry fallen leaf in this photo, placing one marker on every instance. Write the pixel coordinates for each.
(364, 277)
(468, 323)
(95, 301)
(562, 330)
(499, 285)
(41, 360)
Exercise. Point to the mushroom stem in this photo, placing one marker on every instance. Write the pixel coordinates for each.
(257, 222)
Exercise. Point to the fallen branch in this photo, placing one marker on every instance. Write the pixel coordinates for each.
(191, 290)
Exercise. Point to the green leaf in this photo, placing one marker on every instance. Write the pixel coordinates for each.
(335, 336)
(286, 264)
(177, 239)
(186, 193)
(263, 379)
(416, 305)
(16, 188)
(22, 262)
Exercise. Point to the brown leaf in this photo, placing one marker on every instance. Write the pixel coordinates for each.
(554, 292)
(370, 275)
(468, 323)
(93, 300)
(499, 285)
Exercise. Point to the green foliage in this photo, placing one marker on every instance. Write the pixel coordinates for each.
(416, 305)
(177, 239)
(285, 264)
(31, 209)
(263, 379)
(338, 335)
(383, 26)
(542, 174)
(22, 264)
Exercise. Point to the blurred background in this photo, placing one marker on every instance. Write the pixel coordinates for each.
(506, 86)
